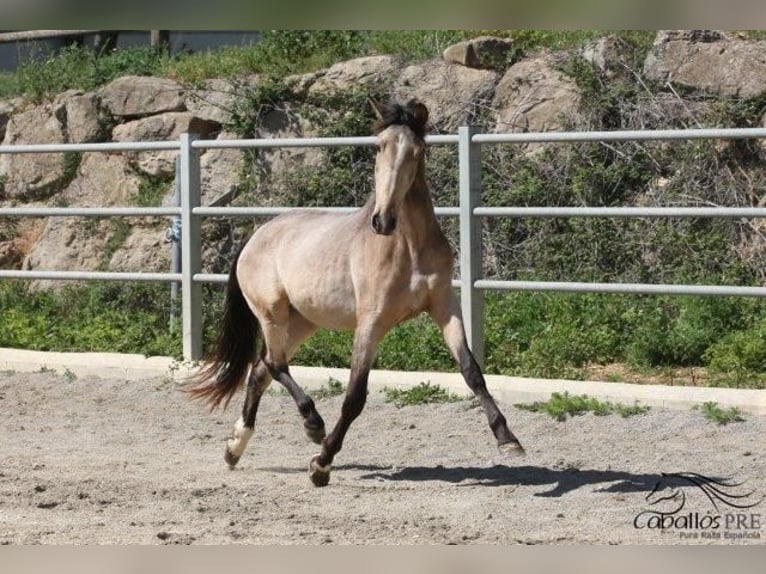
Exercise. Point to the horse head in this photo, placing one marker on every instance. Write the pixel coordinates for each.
(400, 129)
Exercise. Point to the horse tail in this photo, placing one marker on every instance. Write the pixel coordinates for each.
(235, 350)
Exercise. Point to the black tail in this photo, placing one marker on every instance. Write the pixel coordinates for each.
(236, 348)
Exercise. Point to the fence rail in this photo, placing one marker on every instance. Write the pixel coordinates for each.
(469, 211)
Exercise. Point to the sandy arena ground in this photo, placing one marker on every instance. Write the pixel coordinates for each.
(107, 461)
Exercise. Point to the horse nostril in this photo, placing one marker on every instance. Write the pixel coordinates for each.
(376, 222)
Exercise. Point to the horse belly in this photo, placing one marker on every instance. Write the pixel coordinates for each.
(328, 306)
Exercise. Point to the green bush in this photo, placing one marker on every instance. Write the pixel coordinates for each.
(106, 317)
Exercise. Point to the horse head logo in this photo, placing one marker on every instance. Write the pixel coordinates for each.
(669, 493)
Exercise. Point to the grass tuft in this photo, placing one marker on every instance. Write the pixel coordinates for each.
(717, 414)
(559, 406)
(333, 388)
(422, 394)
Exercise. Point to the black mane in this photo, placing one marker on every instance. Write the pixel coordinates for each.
(409, 114)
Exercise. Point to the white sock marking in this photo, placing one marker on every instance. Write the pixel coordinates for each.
(238, 442)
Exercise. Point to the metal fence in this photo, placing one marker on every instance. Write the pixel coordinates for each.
(471, 283)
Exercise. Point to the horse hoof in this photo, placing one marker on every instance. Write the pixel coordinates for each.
(511, 449)
(315, 434)
(319, 475)
(231, 459)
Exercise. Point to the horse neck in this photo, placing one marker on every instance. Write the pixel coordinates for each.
(417, 217)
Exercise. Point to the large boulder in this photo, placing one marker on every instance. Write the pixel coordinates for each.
(134, 96)
(82, 116)
(221, 173)
(708, 61)
(268, 163)
(160, 127)
(217, 100)
(143, 250)
(361, 73)
(67, 244)
(610, 55)
(71, 243)
(103, 180)
(453, 94)
(34, 176)
(7, 109)
(533, 96)
(486, 52)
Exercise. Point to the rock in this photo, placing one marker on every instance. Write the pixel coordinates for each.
(71, 243)
(708, 61)
(486, 52)
(135, 96)
(82, 117)
(281, 162)
(221, 173)
(299, 84)
(533, 96)
(103, 180)
(10, 256)
(610, 55)
(7, 109)
(144, 250)
(15, 245)
(33, 176)
(360, 73)
(452, 93)
(160, 127)
(217, 99)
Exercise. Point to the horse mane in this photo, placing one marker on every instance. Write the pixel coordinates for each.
(413, 114)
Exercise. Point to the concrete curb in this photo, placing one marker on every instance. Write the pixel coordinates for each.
(506, 389)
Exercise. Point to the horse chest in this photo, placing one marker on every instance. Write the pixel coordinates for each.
(419, 288)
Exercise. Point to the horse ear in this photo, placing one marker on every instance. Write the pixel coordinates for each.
(377, 108)
(420, 112)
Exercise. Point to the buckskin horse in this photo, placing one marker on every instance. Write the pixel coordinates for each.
(366, 271)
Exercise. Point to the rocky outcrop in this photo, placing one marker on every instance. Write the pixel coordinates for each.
(708, 61)
(34, 176)
(608, 55)
(135, 96)
(533, 96)
(453, 94)
(71, 243)
(359, 73)
(82, 117)
(471, 83)
(221, 173)
(7, 109)
(160, 127)
(216, 100)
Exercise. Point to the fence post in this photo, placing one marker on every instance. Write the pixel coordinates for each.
(472, 299)
(191, 292)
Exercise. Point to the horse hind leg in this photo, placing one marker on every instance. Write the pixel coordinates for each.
(299, 329)
(258, 381)
(283, 335)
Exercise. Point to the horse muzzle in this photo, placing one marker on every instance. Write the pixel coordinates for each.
(383, 224)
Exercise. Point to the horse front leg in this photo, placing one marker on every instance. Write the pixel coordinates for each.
(366, 341)
(447, 314)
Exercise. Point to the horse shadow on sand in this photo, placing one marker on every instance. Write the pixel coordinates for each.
(559, 481)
